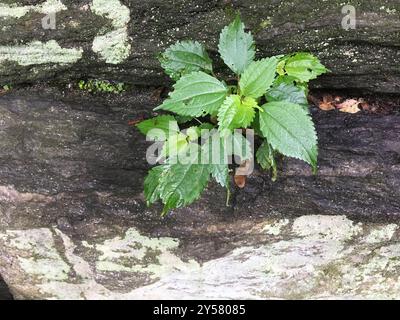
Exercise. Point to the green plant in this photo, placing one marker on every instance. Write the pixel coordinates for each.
(98, 86)
(267, 95)
(7, 88)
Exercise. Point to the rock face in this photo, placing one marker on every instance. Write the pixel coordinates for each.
(74, 225)
(4, 291)
(65, 40)
(311, 257)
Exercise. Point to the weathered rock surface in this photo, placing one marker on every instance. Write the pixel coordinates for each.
(311, 257)
(4, 291)
(119, 40)
(74, 225)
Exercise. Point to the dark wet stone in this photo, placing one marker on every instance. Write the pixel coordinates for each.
(365, 58)
(5, 293)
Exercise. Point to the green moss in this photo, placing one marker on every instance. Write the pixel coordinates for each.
(101, 86)
(264, 24)
(6, 88)
(331, 270)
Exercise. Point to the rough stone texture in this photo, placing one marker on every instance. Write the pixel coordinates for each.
(73, 222)
(312, 257)
(119, 40)
(4, 291)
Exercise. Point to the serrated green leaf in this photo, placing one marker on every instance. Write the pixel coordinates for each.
(245, 113)
(304, 67)
(220, 172)
(258, 77)
(183, 119)
(220, 146)
(236, 47)
(195, 95)
(236, 113)
(290, 130)
(182, 184)
(159, 128)
(151, 184)
(179, 143)
(206, 126)
(284, 89)
(256, 125)
(227, 112)
(266, 159)
(265, 155)
(175, 145)
(185, 57)
(214, 150)
(280, 69)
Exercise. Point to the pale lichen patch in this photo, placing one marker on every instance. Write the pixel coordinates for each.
(314, 260)
(112, 9)
(37, 255)
(114, 46)
(137, 253)
(15, 11)
(38, 52)
(326, 227)
(381, 234)
(275, 228)
(80, 266)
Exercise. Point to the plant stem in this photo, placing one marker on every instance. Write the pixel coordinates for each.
(198, 120)
(228, 195)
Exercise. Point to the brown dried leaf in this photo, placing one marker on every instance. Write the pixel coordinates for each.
(327, 103)
(326, 106)
(134, 122)
(240, 181)
(350, 106)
